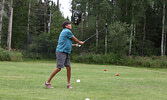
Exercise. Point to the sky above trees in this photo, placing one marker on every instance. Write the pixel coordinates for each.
(65, 6)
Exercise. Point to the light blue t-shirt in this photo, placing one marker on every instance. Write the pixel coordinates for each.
(65, 41)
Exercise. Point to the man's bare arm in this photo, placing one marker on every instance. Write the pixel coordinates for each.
(74, 45)
(76, 40)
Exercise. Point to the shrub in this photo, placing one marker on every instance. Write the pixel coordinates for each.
(121, 60)
(96, 58)
(10, 56)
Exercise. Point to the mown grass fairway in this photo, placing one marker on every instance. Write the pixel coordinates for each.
(25, 81)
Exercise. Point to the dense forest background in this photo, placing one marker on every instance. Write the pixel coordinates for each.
(131, 28)
(135, 27)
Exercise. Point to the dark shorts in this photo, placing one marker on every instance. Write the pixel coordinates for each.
(63, 59)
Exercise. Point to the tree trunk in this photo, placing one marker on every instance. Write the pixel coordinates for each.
(164, 34)
(50, 19)
(106, 40)
(9, 38)
(57, 4)
(1, 20)
(132, 33)
(86, 15)
(97, 31)
(126, 8)
(134, 29)
(45, 15)
(82, 26)
(164, 43)
(144, 35)
(28, 23)
(106, 33)
(163, 31)
(130, 43)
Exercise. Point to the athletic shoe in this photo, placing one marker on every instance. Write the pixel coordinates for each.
(69, 86)
(48, 85)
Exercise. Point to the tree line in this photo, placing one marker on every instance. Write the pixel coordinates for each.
(34, 25)
(123, 27)
(135, 27)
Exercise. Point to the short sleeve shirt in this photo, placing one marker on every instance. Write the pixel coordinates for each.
(65, 41)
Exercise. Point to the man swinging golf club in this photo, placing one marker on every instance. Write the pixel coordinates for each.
(62, 53)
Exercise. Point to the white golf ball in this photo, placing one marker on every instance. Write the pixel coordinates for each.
(78, 80)
(87, 99)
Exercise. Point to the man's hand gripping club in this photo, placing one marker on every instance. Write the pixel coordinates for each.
(79, 43)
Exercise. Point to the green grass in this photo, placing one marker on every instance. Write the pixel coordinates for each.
(25, 81)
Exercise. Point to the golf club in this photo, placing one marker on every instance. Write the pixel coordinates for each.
(78, 45)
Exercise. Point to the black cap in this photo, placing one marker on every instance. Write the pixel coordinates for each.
(65, 23)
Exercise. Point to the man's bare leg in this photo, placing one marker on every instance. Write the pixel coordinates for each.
(53, 74)
(68, 76)
(47, 83)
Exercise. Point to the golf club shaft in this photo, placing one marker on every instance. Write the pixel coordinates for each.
(89, 37)
(92, 35)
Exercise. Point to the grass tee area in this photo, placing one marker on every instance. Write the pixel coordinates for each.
(25, 81)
